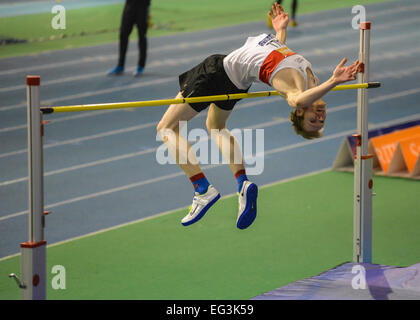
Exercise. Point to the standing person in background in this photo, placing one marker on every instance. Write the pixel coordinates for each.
(136, 12)
(292, 22)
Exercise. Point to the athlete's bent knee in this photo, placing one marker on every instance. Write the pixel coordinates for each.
(214, 125)
(165, 126)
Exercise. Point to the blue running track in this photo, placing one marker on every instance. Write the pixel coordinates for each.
(101, 168)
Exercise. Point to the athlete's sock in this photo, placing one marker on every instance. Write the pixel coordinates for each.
(200, 183)
(241, 177)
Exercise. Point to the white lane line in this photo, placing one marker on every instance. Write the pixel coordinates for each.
(308, 54)
(186, 45)
(177, 61)
(397, 75)
(102, 74)
(86, 94)
(151, 124)
(177, 174)
(315, 52)
(383, 56)
(75, 116)
(347, 19)
(84, 165)
(113, 57)
(82, 139)
(143, 152)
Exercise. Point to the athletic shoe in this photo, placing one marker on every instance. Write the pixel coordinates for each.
(293, 23)
(201, 203)
(138, 72)
(247, 205)
(116, 71)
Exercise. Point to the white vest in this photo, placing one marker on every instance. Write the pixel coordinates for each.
(259, 59)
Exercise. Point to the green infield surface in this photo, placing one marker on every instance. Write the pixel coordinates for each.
(100, 24)
(304, 227)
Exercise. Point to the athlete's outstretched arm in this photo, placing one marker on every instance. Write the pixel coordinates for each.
(303, 99)
(279, 20)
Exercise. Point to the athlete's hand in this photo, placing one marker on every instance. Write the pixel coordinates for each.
(279, 18)
(343, 74)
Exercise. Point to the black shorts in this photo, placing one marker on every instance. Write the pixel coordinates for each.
(207, 79)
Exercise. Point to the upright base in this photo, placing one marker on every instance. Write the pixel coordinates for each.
(33, 270)
(362, 248)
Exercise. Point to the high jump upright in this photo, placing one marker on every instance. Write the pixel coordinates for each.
(363, 163)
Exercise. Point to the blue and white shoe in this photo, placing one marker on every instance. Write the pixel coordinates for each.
(247, 205)
(118, 70)
(138, 72)
(201, 203)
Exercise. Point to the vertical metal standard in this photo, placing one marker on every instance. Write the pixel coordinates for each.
(363, 164)
(33, 252)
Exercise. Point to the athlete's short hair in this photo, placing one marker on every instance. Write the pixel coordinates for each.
(297, 123)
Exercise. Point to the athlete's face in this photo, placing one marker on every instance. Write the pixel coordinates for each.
(314, 116)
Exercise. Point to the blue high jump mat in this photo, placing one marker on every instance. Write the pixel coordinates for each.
(353, 281)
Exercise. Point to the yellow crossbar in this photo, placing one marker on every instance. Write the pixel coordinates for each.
(222, 97)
